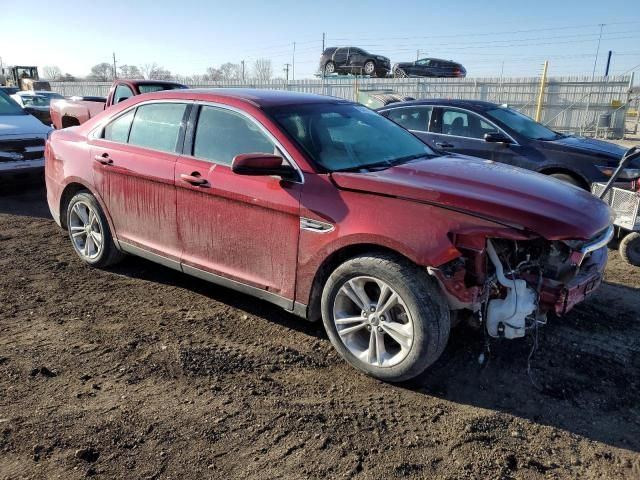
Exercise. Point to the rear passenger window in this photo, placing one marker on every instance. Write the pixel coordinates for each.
(118, 130)
(222, 134)
(157, 126)
(412, 118)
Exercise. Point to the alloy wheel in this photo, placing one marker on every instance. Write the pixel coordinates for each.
(373, 322)
(85, 230)
(369, 67)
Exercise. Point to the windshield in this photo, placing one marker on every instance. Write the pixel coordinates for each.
(35, 100)
(348, 137)
(522, 124)
(158, 87)
(9, 107)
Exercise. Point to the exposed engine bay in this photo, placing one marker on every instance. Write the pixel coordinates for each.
(511, 285)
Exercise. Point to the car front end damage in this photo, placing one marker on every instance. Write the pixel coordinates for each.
(510, 285)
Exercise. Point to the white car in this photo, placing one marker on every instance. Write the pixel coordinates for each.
(37, 103)
(22, 139)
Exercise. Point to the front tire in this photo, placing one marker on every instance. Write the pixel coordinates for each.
(385, 316)
(89, 232)
(329, 68)
(369, 68)
(630, 249)
(566, 178)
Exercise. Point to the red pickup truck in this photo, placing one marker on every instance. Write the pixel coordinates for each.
(77, 110)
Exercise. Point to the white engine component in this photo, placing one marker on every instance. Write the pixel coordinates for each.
(511, 311)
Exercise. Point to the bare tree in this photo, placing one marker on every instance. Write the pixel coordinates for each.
(130, 71)
(153, 71)
(262, 69)
(231, 71)
(213, 74)
(101, 72)
(52, 72)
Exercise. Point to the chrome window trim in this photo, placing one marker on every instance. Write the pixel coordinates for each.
(92, 135)
(262, 128)
(485, 119)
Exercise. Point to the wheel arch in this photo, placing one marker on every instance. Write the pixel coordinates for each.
(584, 183)
(332, 261)
(70, 190)
(69, 121)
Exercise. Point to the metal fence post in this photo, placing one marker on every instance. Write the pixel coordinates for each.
(541, 93)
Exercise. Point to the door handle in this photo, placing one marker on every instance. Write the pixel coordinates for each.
(103, 159)
(193, 179)
(444, 145)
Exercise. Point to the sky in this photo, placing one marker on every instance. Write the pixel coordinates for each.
(490, 38)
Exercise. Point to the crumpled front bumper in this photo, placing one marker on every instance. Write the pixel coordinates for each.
(563, 297)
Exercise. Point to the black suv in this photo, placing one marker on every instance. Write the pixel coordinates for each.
(430, 67)
(353, 60)
(499, 133)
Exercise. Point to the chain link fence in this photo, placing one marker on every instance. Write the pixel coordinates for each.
(570, 104)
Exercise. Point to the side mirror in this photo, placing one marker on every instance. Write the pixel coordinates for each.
(262, 164)
(121, 99)
(496, 137)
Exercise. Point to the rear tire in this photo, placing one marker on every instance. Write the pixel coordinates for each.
(89, 232)
(630, 249)
(393, 343)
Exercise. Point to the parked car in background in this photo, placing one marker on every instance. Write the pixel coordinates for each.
(331, 211)
(37, 103)
(9, 90)
(502, 134)
(344, 60)
(429, 67)
(77, 110)
(22, 139)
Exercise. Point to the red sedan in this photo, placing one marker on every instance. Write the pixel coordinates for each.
(331, 211)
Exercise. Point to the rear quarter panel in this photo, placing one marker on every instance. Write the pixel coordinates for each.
(67, 161)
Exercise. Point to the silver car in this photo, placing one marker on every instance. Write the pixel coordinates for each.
(22, 139)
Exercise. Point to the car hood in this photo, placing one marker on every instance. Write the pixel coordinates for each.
(497, 192)
(21, 125)
(590, 145)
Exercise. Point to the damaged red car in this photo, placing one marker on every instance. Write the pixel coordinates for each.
(331, 211)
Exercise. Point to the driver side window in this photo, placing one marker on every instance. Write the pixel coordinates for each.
(222, 134)
(460, 123)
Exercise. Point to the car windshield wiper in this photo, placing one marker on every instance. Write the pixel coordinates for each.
(385, 164)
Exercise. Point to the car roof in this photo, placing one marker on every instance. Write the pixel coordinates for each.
(438, 60)
(468, 104)
(255, 96)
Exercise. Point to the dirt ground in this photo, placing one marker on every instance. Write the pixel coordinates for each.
(142, 372)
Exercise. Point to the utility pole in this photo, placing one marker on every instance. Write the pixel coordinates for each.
(242, 63)
(322, 68)
(115, 72)
(593, 75)
(606, 70)
(293, 63)
(541, 92)
(417, 55)
(286, 69)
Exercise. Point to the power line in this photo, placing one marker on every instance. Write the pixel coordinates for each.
(457, 35)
